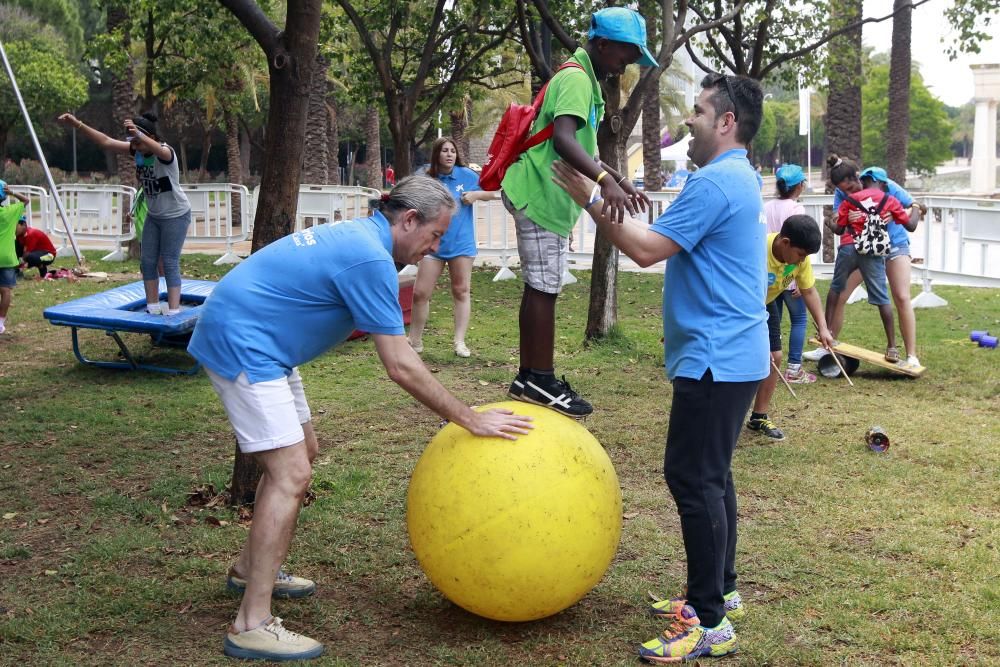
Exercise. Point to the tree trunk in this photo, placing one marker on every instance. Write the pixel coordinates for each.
(123, 105)
(459, 128)
(291, 54)
(234, 164)
(332, 142)
(206, 148)
(843, 107)
(898, 118)
(602, 313)
(315, 160)
(652, 166)
(244, 151)
(373, 150)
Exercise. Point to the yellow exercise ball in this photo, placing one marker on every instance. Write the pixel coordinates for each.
(515, 530)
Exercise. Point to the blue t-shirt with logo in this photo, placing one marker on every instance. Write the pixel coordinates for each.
(898, 236)
(460, 239)
(713, 291)
(298, 297)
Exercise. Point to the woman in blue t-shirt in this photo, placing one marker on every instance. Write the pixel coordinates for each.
(457, 249)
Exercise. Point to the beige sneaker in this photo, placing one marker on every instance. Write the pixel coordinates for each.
(418, 348)
(461, 349)
(285, 585)
(270, 641)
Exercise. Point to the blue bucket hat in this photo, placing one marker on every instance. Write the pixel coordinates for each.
(875, 174)
(790, 174)
(622, 25)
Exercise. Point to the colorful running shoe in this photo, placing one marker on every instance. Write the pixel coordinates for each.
(669, 609)
(799, 376)
(733, 603)
(767, 427)
(686, 639)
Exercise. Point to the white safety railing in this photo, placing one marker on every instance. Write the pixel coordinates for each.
(320, 204)
(37, 210)
(958, 243)
(96, 213)
(212, 216)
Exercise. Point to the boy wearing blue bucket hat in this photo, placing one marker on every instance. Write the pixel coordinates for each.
(544, 214)
(10, 213)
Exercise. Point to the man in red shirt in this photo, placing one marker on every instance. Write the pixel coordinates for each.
(34, 247)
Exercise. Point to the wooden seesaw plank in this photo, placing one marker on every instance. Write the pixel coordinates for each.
(877, 358)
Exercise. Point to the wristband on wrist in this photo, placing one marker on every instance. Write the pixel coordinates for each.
(622, 180)
(600, 176)
(592, 202)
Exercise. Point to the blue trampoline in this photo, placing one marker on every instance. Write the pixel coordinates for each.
(122, 310)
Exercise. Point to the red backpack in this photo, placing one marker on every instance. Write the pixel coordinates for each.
(512, 137)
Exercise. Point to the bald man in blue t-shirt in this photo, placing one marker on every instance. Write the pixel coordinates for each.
(261, 322)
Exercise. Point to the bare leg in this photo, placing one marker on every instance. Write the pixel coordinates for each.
(766, 389)
(287, 472)
(885, 312)
(537, 324)
(6, 296)
(428, 272)
(152, 288)
(460, 270)
(173, 298)
(898, 272)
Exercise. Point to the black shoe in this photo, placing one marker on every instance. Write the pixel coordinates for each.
(767, 427)
(551, 392)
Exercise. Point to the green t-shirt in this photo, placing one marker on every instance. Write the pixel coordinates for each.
(528, 182)
(9, 215)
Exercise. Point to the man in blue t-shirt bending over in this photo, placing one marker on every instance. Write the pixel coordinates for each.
(715, 347)
(261, 322)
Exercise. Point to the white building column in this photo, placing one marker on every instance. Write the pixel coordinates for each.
(986, 80)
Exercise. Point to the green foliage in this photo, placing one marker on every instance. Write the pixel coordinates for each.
(930, 128)
(972, 19)
(48, 83)
(764, 34)
(767, 135)
(63, 15)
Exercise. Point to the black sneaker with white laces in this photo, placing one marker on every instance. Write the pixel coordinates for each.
(551, 392)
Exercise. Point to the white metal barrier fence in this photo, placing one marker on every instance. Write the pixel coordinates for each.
(36, 211)
(319, 204)
(958, 243)
(96, 213)
(212, 220)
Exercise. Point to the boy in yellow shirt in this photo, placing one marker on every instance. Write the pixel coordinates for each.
(787, 260)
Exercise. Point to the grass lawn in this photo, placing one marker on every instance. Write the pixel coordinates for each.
(846, 557)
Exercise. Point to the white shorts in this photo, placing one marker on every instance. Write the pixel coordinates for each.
(265, 415)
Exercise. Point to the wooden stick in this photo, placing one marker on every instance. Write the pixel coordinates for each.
(835, 357)
(841, 366)
(782, 376)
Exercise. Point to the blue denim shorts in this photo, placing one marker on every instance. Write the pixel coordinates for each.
(8, 277)
(872, 269)
(901, 250)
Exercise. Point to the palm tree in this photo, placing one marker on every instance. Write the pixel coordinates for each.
(843, 107)
(898, 120)
(315, 161)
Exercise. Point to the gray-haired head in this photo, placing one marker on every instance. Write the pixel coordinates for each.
(426, 195)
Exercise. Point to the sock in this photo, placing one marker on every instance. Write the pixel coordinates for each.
(153, 308)
(543, 372)
(172, 311)
(794, 367)
(757, 415)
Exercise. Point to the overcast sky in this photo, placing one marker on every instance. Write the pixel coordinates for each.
(949, 80)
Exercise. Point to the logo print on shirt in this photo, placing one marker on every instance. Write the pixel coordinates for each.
(459, 188)
(304, 238)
